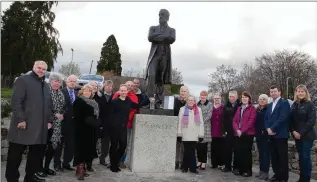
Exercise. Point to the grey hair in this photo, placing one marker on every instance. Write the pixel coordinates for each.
(216, 94)
(191, 96)
(56, 76)
(184, 87)
(40, 62)
(233, 92)
(72, 76)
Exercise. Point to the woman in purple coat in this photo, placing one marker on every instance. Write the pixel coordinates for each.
(216, 133)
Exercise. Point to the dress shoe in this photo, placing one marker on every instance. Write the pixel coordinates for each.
(264, 176)
(114, 169)
(194, 171)
(67, 167)
(235, 171)
(184, 170)
(259, 174)
(49, 172)
(33, 178)
(246, 174)
(122, 165)
(214, 166)
(102, 162)
(89, 167)
(41, 174)
(225, 170)
(273, 179)
(176, 166)
(58, 168)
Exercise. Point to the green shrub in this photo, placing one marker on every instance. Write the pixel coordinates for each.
(175, 88)
(6, 92)
(6, 108)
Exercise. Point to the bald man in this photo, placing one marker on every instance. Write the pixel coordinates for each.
(68, 132)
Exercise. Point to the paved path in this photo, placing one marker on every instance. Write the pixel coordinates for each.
(103, 174)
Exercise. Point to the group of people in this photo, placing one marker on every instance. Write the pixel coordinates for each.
(51, 121)
(231, 128)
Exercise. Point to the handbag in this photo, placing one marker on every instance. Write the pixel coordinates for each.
(93, 122)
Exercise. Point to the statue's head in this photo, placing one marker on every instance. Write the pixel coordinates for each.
(164, 16)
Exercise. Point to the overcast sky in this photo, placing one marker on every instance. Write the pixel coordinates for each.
(207, 33)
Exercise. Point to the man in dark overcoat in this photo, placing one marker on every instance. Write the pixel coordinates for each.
(68, 128)
(31, 117)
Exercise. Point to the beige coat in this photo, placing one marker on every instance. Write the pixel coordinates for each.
(193, 131)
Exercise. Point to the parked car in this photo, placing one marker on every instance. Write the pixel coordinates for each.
(85, 78)
(47, 75)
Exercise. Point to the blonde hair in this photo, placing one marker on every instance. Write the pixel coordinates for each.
(86, 87)
(265, 97)
(98, 89)
(307, 96)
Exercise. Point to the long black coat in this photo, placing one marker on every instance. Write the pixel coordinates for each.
(85, 136)
(32, 103)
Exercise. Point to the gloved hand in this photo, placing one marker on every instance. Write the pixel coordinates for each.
(179, 139)
(200, 140)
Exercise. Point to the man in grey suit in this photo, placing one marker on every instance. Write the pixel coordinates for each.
(31, 117)
(159, 65)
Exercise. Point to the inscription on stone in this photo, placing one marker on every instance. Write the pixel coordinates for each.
(156, 126)
(153, 143)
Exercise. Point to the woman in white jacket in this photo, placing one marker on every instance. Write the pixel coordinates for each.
(190, 131)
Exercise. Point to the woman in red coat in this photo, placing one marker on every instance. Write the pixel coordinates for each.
(244, 130)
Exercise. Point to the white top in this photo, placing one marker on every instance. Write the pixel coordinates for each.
(275, 102)
(193, 131)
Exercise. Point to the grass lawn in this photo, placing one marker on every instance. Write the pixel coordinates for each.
(6, 92)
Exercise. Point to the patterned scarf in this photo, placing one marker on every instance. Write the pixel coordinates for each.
(186, 113)
(58, 101)
(93, 104)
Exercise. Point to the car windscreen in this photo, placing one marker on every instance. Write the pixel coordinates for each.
(47, 74)
(91, 77)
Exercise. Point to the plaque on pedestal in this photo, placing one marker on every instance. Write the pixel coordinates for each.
(153, 147)
(168, 102)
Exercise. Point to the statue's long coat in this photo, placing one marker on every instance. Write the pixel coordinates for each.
(153, 54)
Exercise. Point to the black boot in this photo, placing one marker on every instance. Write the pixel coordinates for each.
(89, 167)
(33, 178)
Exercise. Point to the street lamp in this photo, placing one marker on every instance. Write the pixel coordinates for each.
(72, 54)
(287, 86)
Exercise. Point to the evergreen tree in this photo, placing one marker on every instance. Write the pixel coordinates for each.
(110, 58)
(27, 35)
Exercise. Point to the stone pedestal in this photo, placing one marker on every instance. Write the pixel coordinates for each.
(153, 147)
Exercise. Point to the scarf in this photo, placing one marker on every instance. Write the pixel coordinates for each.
(93, 104)
(58, 103)
(186, 113)
(243, 107)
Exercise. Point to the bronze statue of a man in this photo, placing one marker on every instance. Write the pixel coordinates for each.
(159, 64)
